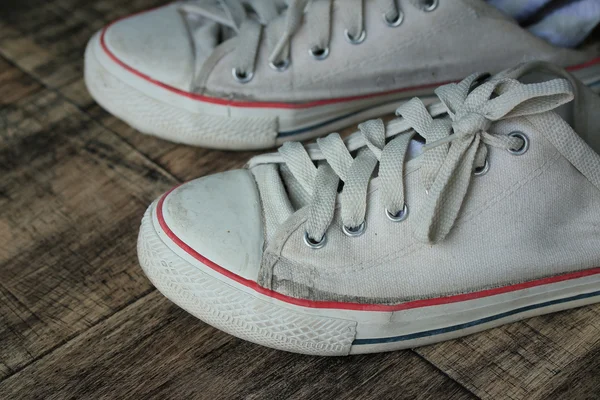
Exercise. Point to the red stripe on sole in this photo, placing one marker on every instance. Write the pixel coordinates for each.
(358, 306)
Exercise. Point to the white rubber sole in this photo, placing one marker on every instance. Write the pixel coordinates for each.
(324, 329)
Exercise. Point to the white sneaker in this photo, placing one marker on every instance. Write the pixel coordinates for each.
(168, 71)
(477, 211)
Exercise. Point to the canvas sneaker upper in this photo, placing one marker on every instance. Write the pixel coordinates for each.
(496, 184)
(270, 51)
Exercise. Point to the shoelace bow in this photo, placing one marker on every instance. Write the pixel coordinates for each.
(455, 146)
(279, 31)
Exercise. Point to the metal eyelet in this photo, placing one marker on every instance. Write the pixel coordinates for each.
(354, 232)
(358, 40)
(242, 77)
(399, 216)
(430, 5)
(482, 170)
(319, 53)
(396, 22)
(314, 244)
(524, 148)
(280, 66)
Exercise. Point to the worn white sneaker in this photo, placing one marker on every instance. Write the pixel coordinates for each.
(218, 74)
(477, 211)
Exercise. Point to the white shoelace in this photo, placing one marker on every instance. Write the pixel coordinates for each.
(279, 31)
(456, 145)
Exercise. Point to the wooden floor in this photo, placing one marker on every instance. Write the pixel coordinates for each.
(78, 319)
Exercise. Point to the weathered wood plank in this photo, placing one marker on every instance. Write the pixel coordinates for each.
(188, 163)
(548, 357)
(71, 198)
(47, 38)
(14, 84)
(154, 350)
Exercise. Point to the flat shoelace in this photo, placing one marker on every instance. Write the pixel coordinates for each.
(279, 31)
(456, 144)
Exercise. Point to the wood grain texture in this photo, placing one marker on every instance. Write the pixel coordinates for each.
(47, 38)
(14, 84)
(71, 198)
(548, 357)
(154, 350)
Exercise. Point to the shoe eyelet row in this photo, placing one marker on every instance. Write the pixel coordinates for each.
(400, 216)
(524, 148)
(427, 6)
(322, 53)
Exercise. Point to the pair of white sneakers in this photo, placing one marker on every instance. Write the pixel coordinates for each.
(467, 212)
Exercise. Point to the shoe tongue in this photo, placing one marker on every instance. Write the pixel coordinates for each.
(209, 23)
(212, 22)
(206, 35)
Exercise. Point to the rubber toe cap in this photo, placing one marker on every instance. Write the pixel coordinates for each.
(220, 218)
(154, 43)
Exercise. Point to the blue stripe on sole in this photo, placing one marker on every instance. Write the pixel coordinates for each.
(333, 120)
(358, 342)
